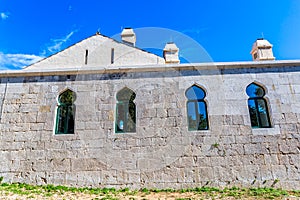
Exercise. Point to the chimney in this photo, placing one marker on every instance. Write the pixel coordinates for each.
(262, 50)
(128, 36)
(171, 53)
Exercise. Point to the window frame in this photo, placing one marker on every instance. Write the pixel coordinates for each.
(196, 102)
(198, 121)
(127, 105)
(257, 113)
(65, 121)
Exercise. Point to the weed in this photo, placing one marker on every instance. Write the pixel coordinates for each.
(124, 190)
(215, 145)
(145, 190)
(274, 182)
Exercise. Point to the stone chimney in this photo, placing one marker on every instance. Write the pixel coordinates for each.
(128, 36)
(171, 53)
(262, 50)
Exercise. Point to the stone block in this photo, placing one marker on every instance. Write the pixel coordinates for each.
(161, 112)
(144, 122)
(291, 117)
(56, 178)
(294, 160)
(265, 173)
(206, 174)
(255, 148)
(242, 139)
(288, 147)
(36, 127)
(234, 149)
(271, 159)
(20, 128)
(227, 139)
(223, 174)
(235, 160)
(237, 120)
(253, 159)
(87, 164)
(288, 128)
(109, 177)
(60, 164)
(279, 172)
(36, 155)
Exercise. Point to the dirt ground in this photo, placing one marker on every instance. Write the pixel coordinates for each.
(124, 196)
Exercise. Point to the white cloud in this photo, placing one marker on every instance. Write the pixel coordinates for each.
(3, 15)
(17, 61)
(57, 44)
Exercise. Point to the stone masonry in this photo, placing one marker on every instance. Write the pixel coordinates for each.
(162, 153)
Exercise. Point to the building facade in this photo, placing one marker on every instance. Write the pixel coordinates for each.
(153, 125)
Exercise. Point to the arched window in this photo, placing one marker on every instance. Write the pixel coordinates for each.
(258, 107)
(125, 112)
(65, 116)
(196, 109)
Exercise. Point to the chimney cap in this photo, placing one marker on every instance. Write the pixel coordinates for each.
(171, 46)
(260, 42)
(127, 31)
(128, 36)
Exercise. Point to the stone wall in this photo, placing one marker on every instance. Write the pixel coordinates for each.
(162, 153)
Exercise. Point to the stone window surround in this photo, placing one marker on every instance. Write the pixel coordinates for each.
(59, 106)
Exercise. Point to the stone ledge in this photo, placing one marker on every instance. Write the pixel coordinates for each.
(267, 131)
(151, 68)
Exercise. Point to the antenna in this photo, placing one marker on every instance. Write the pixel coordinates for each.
(262, 35)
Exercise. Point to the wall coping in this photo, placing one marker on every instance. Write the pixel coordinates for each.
(150, 68)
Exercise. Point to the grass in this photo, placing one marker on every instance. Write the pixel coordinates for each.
(45, 191)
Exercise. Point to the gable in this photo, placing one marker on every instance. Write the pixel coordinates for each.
(95, 51)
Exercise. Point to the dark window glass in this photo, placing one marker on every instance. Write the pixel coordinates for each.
(196, 109)
(257, 105)
(125, 112)
(65, 113)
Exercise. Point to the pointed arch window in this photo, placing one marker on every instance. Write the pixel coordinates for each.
(196, 109)
(65, 116)
(125, 112)
(258, 107)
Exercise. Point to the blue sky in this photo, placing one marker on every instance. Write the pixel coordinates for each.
(30, 30)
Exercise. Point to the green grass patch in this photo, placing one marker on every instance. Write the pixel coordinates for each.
(30, 191)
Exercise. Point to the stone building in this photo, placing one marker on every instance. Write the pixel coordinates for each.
(103, 113)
